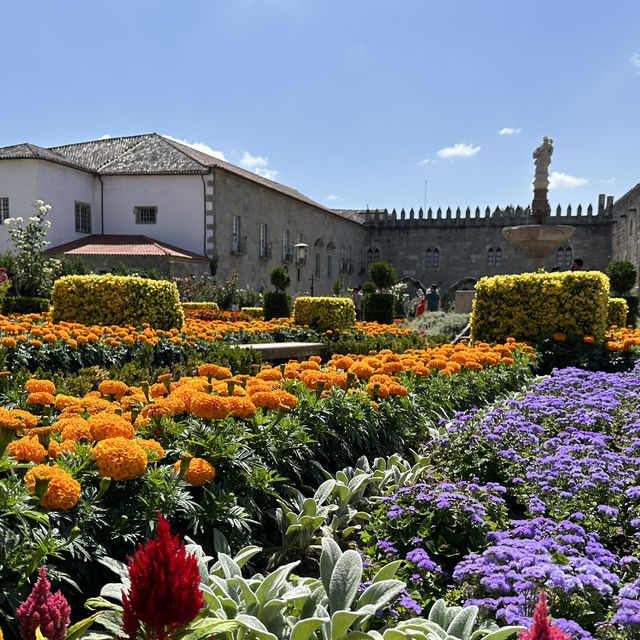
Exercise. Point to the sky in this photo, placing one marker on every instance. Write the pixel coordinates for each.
(355, 103)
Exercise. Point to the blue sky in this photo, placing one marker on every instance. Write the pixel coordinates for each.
(353, 102)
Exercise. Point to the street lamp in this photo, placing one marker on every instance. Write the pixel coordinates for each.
(301, 252)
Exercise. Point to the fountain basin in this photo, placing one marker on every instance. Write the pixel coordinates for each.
(537, 240)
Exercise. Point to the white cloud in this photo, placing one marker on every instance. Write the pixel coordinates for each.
(424, 162)
(257, 164)
(608, 181)
(558, 180)
(331, 197)
(635, 60)
(199, 146)
(509, 131)
(459, 150)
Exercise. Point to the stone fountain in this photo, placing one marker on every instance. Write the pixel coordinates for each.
(538, 239)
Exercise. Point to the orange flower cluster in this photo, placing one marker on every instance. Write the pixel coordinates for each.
(622, 338)
(62, 491)
(120, 458)
(37, 330)
(198, 472)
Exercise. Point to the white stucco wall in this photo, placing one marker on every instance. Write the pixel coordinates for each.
(180, 203)
(24, 181)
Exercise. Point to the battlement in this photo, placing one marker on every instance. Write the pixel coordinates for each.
(507, 217)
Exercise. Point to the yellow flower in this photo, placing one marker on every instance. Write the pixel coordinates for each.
(109, 425)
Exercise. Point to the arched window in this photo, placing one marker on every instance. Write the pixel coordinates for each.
(564, 257)
(494, 257)
(432, 258)
(373, 255)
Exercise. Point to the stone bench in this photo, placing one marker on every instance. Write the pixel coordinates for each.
(283, 351)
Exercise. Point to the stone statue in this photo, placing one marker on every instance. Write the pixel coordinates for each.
(542, 158)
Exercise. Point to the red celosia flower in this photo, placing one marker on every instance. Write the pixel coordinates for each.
(49, 611)
(165, 586)
(541, 629)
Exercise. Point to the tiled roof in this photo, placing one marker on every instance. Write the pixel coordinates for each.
(149, 154)
(122, 245)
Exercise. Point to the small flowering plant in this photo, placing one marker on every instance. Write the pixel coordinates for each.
(35, 271)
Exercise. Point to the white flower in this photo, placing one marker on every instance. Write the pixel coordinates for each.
(34, 219)
(47, 224)
(42, 209)
(38, 203)
(19, 219)
(8, 221)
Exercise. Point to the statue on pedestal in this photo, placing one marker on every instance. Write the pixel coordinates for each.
(542, 157)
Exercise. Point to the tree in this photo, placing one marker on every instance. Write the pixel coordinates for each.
(622, 275)
(382, 274)
(280, 278)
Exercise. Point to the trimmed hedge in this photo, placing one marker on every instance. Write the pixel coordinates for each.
(117, 300)
(200, 305)
(324, 312)
(254, 312)
(528, 305)
(617, 310)
(632, 303)
(277, 304)
(23, 304)
(379, 307)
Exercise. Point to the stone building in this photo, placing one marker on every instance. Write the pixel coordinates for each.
(149, 201)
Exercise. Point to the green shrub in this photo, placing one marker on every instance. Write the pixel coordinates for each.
(324, 312)
(632, 304)
(277, 304)
(440, 323)
(622, 276)
(280, 278)
(254, 312)
(22, 304)
(200, 305)
(382, 274)
(378, 307)
(528, 305)
(117, 300)
(368, 287)
(617, 310)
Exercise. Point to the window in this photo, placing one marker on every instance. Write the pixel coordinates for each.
(494, 257)
(264, 249)
(373, 255)
(146, 215)
(286, 253)
(432, 258)
(83, 217)
(317, 272)
(329, 267)
(564, 257)
(236, 237)
(4, 209)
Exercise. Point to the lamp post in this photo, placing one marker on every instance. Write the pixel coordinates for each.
(301, 252)
(312, 279)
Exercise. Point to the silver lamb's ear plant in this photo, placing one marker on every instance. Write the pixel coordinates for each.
(457, 623)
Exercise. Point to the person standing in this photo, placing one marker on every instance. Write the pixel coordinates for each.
(356, 296)
(433, 299)
(420, 309)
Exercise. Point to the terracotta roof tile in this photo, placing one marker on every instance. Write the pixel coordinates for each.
(123, 245)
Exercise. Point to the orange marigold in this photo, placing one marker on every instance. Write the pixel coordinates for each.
(215, 371)
(35, 386)
(151, 446)
(27, 449)
(56, 448)
(109, 425)
(198, 473)
(8, 342)
(40, 397)
(206, 405)
(120, 458)
(114, 388)
(62, 491)
(75, 429)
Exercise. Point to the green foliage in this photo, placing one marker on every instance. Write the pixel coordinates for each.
(248, 297)
(277, 304)
(205, 288)
(632, 304)
(22, 304)
(617, 311)
(622, 276)
(279, 278)
(117, 300)
(71, 266)
(337, 289)
(34, 270)
(379, 307)
(382, 274)
(368, 287)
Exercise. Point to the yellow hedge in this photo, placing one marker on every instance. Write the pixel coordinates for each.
(617, 310)
(199, 305)
(254, 312)
(118, 300)
(527, 305)
(325, 313)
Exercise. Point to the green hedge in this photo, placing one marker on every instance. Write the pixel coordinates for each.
(277, 304)
(324, 312)
(528, 305)
(22, 304)
(379, 307)
(117, 300)
(200, 305)
(617, 310)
